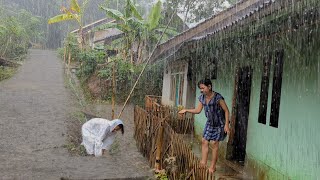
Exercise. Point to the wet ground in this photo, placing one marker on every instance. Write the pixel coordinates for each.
(225, 170)
(35, 107)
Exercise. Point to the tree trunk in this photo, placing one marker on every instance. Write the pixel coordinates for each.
(82, 43)
(131, 55)
(140, 45)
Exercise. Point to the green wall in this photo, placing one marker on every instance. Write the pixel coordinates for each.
(292, 149)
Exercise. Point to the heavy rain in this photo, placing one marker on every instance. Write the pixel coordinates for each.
(160, 89)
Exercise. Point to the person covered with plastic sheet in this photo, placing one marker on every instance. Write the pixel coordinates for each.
(217, 125)
(98, 134)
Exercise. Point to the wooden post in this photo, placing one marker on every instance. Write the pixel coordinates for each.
(159, 146)
(64, 54)
(113, 88)
(69, 61)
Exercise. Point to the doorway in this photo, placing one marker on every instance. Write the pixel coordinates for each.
(241, 113)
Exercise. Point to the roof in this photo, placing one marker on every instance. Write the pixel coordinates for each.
(106, 34)
(216, 23)
(91, 26)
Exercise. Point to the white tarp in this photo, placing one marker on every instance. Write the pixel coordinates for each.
(97, 135)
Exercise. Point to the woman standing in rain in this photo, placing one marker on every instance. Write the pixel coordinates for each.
(217, 125)
(98, 134)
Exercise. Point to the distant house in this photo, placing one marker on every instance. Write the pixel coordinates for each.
(94, 37)
(264, 58)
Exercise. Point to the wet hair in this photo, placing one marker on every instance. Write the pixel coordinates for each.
(206, 82)
(122, 128)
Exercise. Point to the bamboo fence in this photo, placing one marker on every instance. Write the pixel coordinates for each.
(163, 139)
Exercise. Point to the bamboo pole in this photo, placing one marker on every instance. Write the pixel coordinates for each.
(69, 61)
(64, 54)
(113, 88)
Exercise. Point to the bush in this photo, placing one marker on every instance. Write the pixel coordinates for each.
(126, 76)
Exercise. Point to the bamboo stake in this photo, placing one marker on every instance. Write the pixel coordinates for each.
(135, 84)
(69, 61)
(113, 88)
(64, 54)
(159, 146)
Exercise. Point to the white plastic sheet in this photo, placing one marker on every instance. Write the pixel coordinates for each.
(97, 135)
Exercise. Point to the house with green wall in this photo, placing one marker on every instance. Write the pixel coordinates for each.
(265, 60)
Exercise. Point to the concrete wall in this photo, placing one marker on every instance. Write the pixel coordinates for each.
(292, 150)
(165, 97)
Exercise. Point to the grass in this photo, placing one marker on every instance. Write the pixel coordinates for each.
(6, 72)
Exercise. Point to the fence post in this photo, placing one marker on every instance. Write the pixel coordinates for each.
(159, 145)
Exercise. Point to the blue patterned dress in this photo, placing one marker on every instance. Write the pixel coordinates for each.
(214, 128)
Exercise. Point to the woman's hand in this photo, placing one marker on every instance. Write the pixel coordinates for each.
(182, 111)
(227, 129)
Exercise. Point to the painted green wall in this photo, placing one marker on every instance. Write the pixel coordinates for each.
(292, 149)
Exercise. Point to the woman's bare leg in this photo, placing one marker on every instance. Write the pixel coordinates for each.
(215, 149)
(204, 152)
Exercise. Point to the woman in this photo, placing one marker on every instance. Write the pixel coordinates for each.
(216, 127)
(98, 134)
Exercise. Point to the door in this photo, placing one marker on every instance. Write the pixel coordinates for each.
(242, 113)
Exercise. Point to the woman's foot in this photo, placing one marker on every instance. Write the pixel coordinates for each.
(212, 169)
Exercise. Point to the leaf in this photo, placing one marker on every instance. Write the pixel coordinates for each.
(75, 6)
(61, 17)
(115, 14)
(3, 29)
(132, 10)
(170, 31)
(154, 16)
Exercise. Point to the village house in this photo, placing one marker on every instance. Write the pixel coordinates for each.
(94, 36)
(263, 57)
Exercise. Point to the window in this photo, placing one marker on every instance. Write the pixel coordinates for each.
(264, 89)
(276, 89)
(177, 83)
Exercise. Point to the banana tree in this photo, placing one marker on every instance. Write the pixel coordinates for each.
(137, 30)
(75, 12)
(130, 23)
(153, 30)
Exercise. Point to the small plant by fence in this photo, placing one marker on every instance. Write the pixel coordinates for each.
(160, 139)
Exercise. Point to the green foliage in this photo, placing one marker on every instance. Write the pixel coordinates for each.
(197, 10)
(161, 175)
(144, 32)
(17, 32)
(6, 72)
(154, 16)
(71, 43)
(126, 75)
(89, 60)
(131, 11)
(73, 13)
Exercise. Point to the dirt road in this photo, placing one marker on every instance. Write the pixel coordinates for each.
(34, 110)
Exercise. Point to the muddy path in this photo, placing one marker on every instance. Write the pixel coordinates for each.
(35, 108)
